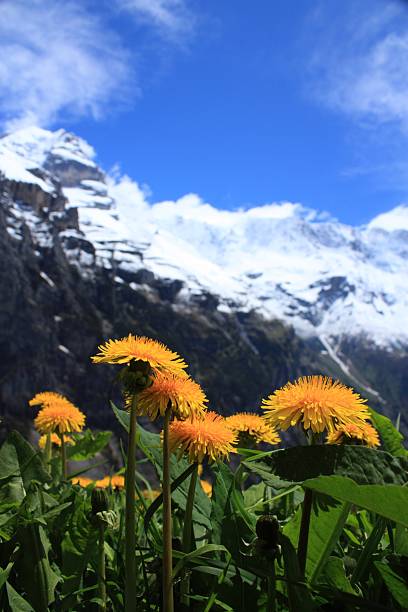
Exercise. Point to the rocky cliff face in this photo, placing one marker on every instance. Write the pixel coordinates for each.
(69, 280)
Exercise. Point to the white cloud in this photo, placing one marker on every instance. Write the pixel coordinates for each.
(172, 17)
(360, 62)
(56, 57)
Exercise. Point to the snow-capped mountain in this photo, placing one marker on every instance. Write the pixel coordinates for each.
(261, 295)
(281, 260)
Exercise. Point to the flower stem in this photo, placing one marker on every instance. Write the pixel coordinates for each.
(63, 457)
(188, 530)
(272, 589)
(101, 567)
(304, 529)
(168, 603)
(48, 449)
(130, 516)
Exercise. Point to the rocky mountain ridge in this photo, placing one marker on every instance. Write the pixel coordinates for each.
(250, 298)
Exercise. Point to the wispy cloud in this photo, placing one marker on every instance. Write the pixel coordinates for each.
(360, 60)
(172, 17)
(61, 59)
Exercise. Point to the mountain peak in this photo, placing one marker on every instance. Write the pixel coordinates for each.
(394, 220)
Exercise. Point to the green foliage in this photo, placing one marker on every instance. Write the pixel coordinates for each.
(389, 501)
(357, 554)
(87, 444)
(391, 438)
(363, 465)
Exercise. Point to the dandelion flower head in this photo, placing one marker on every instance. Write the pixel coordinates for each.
(200, 437)
(317, 403)
(48, 398)
(115, 482)
(363, 433)
(253, 425)
(183, 395)
(59, 418)
(140, 348)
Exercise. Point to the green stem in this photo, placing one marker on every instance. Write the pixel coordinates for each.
(272, 589)
(101, 567)
(188, 531)
(63, 457)
(168, 603)
(130, 515)
(48, 447)
(304, 529)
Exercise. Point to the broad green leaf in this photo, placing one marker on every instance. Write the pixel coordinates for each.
(36, 577)
(78, 547)
(29, 459)
(335, 575)
(17, 603)
(326, 524)
(87, 444)
(363, 465)
(389, 501)
(396, 585)
(401, 540)
(391, 438)
(122, 416)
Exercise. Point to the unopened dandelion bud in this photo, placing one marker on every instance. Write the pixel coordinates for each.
(267, 529)
(99, 501)
(136, 377)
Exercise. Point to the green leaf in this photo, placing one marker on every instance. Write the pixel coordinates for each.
(401, 540)
(335, 575)
(229, 520)
(16, 602)
(199, 552)
(326, 524)
(151, 446)
(363, 465)
(36, 577)
(29, 459)
(122, 416)
(396, 585)
(156, 503)
(78, 547)
(298, 594)
(389, 501)
(87, 444)
(391, 439)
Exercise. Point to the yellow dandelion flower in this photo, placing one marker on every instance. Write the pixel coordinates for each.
(150, 494)
(115, 482)
(253, 425)
(82, 481)
(140, 348)
(317, 402)
(184, 395)
(208, 435)
(48, 398)
(59, 418)
(352, 432)
(55, 439)
(207, 487)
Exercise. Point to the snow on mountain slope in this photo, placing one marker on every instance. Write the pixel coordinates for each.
(325, 278)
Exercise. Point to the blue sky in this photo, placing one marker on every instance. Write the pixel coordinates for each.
(243, 103)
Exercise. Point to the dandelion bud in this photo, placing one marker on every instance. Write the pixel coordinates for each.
(136, 376)
(99, 501)
(267, 530)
